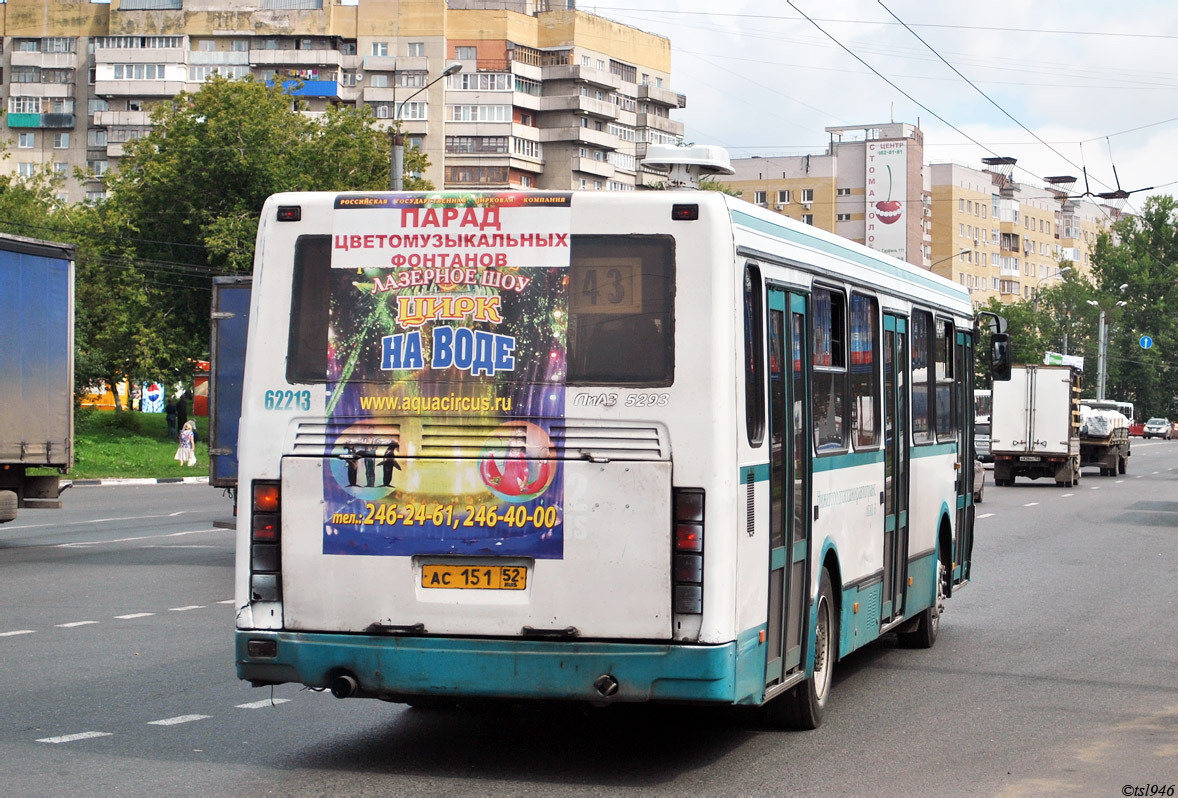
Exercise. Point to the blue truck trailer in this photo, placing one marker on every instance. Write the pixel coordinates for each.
(36, 372)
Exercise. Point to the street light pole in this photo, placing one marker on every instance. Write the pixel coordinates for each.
(397, 167)
(1102, 347)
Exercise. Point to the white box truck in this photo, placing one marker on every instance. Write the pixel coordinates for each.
(1035, 425)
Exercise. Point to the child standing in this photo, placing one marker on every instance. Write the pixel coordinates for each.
(186, 454)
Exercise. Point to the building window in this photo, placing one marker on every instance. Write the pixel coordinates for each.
(808, 218)
(138, 71)
(417, 49)
(842, 192)
(96, 138)
(61, 141)
(479, 113)
(842, 217)
(466, 53)
(759, 197)
(380, 48)
(476, 174)
(807, 195)
(783, 197)
(26, 169)
(378, 80)
(26, 141)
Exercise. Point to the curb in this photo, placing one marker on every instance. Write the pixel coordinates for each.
(89, 483)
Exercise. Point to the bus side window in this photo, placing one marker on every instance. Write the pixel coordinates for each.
(830, 370)
(310, 303)
(754, 357)
(922, 429)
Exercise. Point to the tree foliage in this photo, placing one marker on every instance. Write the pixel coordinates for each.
(184, 205)
(1135, 283)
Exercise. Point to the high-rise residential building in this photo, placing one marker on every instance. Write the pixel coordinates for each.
(547, 97)
(868, 186)
(975, 226)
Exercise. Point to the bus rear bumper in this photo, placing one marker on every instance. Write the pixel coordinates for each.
(404, 667)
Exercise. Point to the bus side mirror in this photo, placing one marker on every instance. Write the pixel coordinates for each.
(1000, 357)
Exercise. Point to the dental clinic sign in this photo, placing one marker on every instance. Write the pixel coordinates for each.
(887, 195)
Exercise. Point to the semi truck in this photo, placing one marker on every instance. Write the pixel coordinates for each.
(36, 372)
(1035, 425)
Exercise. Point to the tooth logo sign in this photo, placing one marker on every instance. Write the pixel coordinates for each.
(889, 211)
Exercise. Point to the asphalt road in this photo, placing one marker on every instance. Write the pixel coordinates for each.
(1056, 673)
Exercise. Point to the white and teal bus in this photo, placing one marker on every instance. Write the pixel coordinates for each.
(600, 447)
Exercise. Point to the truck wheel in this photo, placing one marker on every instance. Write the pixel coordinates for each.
(803, 706)
(1122, 465)
(7, 506)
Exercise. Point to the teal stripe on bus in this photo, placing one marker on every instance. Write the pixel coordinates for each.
(934, 450)
(835, 462)
(760, 473)
(831, 248)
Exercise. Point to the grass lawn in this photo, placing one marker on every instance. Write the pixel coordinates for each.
(132, 445)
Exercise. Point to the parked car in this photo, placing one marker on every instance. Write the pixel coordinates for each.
(981, 440)
(1158, 428)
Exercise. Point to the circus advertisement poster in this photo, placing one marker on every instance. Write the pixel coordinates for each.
(446, 369)
(887, 195)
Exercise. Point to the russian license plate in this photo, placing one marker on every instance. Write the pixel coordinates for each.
(1030, 459)
(474, 577)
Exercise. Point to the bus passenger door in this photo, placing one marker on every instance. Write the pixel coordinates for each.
(963, 386)
(895, 413)
(789, 518)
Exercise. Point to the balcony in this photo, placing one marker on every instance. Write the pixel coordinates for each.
(122, 118)
(595, 77)
(138, 88)
(219, 58)
(590, 166)
(584, 135)
(42, 121)
(142, 55)
(295, 58)
(309, 88)
(662, 123)
(662, 96)
(45, 60)
(577, 102)
(390, 63)
(41, 89)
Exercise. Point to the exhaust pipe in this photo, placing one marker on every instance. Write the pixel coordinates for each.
(606, 685)
(344, 685)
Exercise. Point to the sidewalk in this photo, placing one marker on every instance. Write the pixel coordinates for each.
(87, 483)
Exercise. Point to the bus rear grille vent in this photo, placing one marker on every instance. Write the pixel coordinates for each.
(328, 437)
(571, 440)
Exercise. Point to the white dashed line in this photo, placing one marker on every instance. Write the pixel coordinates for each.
(75, 623)
(186, 609)
(986, 515)
(1118, 482)
(69, 738)
(1095, 487)
(17, 632)
(1030, 504)
(177, 720)
(1066, 495)
(134, 615)
(264, 703)
(226, 601)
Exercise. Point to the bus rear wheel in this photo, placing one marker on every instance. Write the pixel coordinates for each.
(803, 706)
(928, 622)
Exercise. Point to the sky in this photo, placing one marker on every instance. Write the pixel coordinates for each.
(1058, 85)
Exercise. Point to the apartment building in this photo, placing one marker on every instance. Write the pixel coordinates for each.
(547, 97)
(1004, 239)
(868, 186)
(975, 226)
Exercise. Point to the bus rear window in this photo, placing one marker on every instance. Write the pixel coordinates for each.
(306, 360)
(621, 300)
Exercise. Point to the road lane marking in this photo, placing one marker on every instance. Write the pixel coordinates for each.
(1064, 496)
(227, 601)
(263, 703)
(985, 515)
(177, 720)
(75, 623)
(82, 543)
(1094, 487)
(69, 738)
(186, 609)
(1030, 504)
(1118, 482)
(134, 615)
(18, 632)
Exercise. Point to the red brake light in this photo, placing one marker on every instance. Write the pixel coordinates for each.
(689, 537)
(265, 497)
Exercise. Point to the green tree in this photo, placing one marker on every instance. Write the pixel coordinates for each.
(185, 201)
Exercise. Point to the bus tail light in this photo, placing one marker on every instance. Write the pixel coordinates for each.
(265, 541)
(688, 557)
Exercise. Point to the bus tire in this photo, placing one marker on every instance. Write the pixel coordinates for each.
(928, 622)
(8, 504)
(802, 706)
